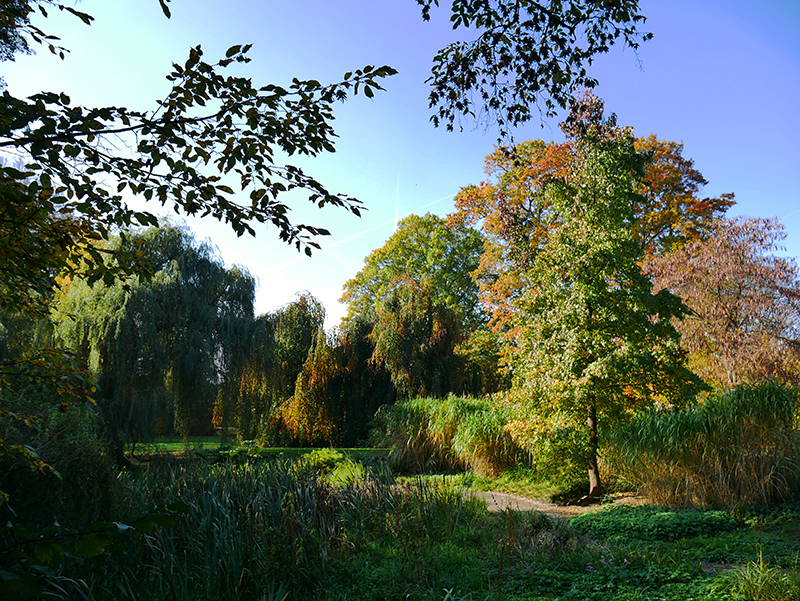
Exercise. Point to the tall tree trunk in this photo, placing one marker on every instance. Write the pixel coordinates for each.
(595, 486)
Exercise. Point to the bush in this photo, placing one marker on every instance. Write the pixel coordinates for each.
(739, 448)
(85, 487)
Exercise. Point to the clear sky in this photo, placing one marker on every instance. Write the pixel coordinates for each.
(722, 76)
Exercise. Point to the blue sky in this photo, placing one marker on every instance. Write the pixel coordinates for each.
(722, 76)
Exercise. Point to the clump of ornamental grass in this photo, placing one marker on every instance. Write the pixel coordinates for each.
(739, 448)
(758, 580)
(483, 442)
(451, 433)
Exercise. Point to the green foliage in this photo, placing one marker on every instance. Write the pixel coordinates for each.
(322, 460)
(258, 527)
(277, 530)
(185, 154)
(82, 480)
(422, 249)
(593, 340)
(525, 54)
(415, 340)
(739, 448)
(430, 433)
(649, 522)
(31, 560)
(159, 345)
(38, 383)
(428, 327)
(757, 580)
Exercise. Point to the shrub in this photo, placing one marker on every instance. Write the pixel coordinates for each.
(322, 460)
(85, 487)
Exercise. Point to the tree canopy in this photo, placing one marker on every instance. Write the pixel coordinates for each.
(516, 217)
(210, 147)
(592, 340)
(744, 323)
(527, 56)
(427, 251)
(428, 324)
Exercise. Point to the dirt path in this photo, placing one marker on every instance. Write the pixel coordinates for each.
(499, 501)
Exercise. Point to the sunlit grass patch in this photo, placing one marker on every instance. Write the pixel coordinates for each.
(738, 449)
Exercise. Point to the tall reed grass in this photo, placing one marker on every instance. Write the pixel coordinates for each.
(432, 434)
(259, 530)
(740, 448)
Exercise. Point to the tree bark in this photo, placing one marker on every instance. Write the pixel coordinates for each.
(595, 485)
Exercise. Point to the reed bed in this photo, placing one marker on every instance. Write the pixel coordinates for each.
(257, 530)
(738, 449)
(452, 433)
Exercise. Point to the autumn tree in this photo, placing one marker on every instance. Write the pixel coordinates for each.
(273, 355)
(744, 321)
(593, 341)
(515, 218)
(308, 414)
(671, 210)
(339, 389)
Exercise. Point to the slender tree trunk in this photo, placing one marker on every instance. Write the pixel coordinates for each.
(595, 486)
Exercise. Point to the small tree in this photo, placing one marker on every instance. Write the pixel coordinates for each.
(594, 342)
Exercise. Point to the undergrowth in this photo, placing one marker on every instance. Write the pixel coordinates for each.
(325, 527)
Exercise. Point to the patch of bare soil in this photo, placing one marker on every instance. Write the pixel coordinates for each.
(500, 501)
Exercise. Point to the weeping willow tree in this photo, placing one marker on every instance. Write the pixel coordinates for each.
(266, 371)
(161, 347)
(415, 339)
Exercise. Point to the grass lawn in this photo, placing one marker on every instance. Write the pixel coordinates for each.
(177, 444)
(211, 444)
